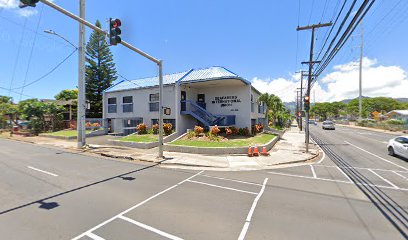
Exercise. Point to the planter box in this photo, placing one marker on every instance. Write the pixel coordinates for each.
(217, 150)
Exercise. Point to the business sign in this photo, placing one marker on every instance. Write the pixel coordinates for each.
(226, 101)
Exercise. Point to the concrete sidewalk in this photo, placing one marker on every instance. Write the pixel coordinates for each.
(290, 149)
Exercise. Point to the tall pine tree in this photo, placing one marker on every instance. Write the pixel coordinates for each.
(100, 71)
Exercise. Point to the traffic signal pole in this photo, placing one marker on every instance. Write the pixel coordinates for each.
(129, 46)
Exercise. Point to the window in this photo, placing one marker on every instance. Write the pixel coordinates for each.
(172, 121)
(128, 104)
(129, 125)
(112, 105)
(154, 97)
(154, 102)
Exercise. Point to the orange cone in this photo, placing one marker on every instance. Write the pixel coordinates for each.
(264, 152)
(249, 151)
(256, 153)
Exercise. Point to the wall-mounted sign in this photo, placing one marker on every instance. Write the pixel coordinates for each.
(226, 101)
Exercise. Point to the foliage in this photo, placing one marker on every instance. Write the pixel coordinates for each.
(395, 122)
(275, 109)
(257, 128)
(198, 130)
(167, 128)
(213, 137)
(100, 71)
(228, 131)
(243, 131)
(383, 105)
(140, 138)
(240, 142)
(141, 128)
(155, 128)
(215, 130)
(67, 94)
(191, 134)
(234, 130)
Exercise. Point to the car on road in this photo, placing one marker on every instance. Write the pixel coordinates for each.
(312, 122)
(328, 125)
(398, 146)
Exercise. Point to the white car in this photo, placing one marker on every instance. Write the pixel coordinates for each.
(328, 125)
(398, 146)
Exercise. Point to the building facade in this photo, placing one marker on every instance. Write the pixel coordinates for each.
(205, 97)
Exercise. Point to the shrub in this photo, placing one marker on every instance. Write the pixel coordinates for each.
(215, 130)
(213, 137)
(228, 131)
(198, 130)
(155, 128)
(167, 127)
(234, 130)
(141, 128)
(245, 131)
(258, 128)
(191, 134)
(395, 122)
(88, 124)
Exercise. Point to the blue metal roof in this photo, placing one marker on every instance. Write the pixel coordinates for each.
(192, 75)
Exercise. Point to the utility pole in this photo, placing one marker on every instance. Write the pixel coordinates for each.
(297, 108)
(300, 107)
(81, 79)
(309, 81)
(360, 90)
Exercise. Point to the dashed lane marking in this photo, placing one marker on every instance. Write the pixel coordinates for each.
(385, 160)
(334, 180)
(400, 175)
(39, 170)
(348, 178)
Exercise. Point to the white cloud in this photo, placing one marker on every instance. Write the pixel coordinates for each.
(342, 83)
(12, 5)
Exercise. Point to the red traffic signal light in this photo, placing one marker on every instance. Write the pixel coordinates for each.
(114, 31)
(307, 98)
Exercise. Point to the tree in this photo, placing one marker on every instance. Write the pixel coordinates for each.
(67, 94)
(100, 71)
(275, 109)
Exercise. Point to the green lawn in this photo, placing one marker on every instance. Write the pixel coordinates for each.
(65, 133)
(250, 141)
(140, 138)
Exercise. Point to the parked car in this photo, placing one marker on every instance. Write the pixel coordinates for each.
(328, 125)
(398, 146)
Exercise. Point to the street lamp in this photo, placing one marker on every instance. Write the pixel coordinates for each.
(81, 92)
(49, 31)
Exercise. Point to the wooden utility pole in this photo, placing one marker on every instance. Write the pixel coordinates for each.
(309, 81)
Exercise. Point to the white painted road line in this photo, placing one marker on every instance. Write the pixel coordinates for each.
(39, 170)
(218, 186)
(134, 207)
(251, 212)
(400, 175)
(385, 180)
(388, 161)
(324, 155)
(94, 236)
(152, 229)
(374, 169)
(344, 174)
(313, 171)
(333, 180)
(232, 180)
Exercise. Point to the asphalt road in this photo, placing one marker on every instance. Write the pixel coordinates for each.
(355, 192)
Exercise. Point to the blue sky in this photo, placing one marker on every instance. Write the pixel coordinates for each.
(256, 39)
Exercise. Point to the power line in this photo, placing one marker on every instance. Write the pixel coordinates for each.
(48, 73)
(32, 50)
(17, 57)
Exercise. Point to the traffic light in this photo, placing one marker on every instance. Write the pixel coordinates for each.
(307, 103)
(27, 3)
(114, 31)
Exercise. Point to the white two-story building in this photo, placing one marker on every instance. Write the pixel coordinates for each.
(206, 97)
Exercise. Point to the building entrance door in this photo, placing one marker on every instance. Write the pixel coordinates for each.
(183, 100)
